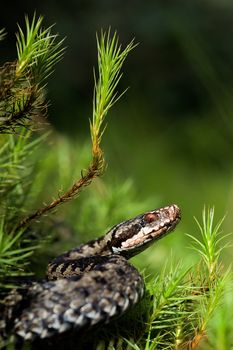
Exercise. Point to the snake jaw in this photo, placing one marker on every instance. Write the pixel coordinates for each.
(146, 228)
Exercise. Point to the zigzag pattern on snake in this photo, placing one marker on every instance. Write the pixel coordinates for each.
(87, 285)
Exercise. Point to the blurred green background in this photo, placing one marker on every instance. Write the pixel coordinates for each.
(171, 135)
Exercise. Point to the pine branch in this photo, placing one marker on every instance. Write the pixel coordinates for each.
(14, 253)
(17, 157)
(22, 101)
(110, 60)
(22, 97)
(22, 108)
(38, 51)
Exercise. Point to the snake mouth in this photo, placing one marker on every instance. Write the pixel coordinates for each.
(156, 224)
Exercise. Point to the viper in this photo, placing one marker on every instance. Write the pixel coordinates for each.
(88, 285)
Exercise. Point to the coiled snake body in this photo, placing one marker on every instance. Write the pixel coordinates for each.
(87, 285)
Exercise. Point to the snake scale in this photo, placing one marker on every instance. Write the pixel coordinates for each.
(87, 285)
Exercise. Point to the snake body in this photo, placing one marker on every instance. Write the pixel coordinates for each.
(87, 285)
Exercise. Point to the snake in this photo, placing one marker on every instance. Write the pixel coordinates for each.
(88, 285)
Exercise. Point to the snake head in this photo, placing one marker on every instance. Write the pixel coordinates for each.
(132, 236)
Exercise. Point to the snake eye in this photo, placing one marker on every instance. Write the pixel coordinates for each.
(150, 217)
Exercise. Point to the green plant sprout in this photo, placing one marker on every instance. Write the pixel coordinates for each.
(38, 50)
(110, 60)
